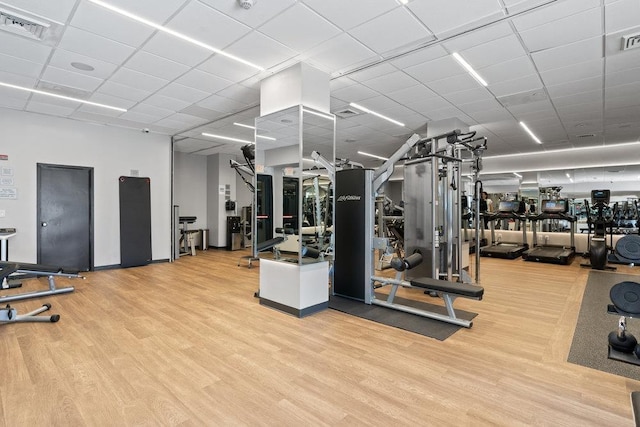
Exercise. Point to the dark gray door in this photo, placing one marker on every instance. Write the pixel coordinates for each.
(65, 216)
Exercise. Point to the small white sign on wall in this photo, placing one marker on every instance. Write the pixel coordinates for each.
(8, 193)
(221, 189)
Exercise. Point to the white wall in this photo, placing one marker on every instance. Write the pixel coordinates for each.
(29, 138)
(219, 174)
(190, 187)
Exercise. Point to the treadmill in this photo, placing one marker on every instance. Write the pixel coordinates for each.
(552, 254)
(508, 250)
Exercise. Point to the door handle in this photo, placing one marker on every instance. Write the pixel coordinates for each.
(44, 224)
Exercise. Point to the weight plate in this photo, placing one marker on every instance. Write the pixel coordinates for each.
(626, 297)
(629, 247)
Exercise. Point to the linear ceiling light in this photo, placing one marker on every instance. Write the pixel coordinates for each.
(270, 138)
(324, 116)
(253, 127)
(173, 33)
(366, 110)
(244, 126)
(469, 69)
(372, 155)
(517, 174)
(227, 138)
(531, 134)
(68, 98)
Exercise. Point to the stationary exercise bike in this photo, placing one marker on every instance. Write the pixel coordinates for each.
(598, 248)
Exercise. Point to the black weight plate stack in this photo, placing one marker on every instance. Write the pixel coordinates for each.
(628, 247)
(626, 297)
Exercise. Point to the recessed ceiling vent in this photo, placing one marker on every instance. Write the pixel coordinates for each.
(346, 113)
(523, 98)
(586, 135)
(21, 25)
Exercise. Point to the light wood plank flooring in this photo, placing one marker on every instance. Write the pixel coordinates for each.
(186, 343)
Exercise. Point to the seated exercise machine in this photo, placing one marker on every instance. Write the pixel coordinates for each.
(187, 237)
(508, 210)
(10, 270)
(448, 291)
(598, 248)
(552, 210)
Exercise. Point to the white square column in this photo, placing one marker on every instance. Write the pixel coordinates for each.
(300, 84)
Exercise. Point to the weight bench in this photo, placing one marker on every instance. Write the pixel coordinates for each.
(13, 269)
(10, 315)
(261, 247)
(449, 291)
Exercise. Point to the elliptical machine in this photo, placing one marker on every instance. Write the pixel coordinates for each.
(598, 248)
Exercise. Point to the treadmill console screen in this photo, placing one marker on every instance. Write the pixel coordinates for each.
(509, 206)
(600, 196)
(555, 206)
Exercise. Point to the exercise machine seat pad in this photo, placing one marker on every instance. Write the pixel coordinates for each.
(462, 289)
(625, 296)
(38, 267)
(268, 244)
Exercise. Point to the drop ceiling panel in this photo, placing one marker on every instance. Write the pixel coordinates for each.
(299, 28)
(185, 93)
(94, 46)
(54, 110)
(585, 85)
(262, 12)
(424, 105)
(454, 84)
(623, 77)
(220, 103)
(227, 68)
(350, 14)
(569, 54)
(401, 29)
(474, 38)
(488, 115)
(580, 71)
(521, 66)
(391, 82)
(154, 65)
(167, 102)
(340, 53)
(579, 98)
(138, 80)
(563, 31)
(493, 52)
(176, 50)
(13, 103)
(621, 15)
(623, 61)
(20, 47)
(203, 81)
(443, 15)
(554, 12)
(87, 108)
(23, 67)
(114, 101)
(65, 103)
(122, 91)
(419, 56)
(58, 10)
(98, 20)
(151, 110)
(63, 59)
(622, 101)
(478, 106)
(412, 93)
(143, 119)
(260, 50)
(437, 69)
(153, 10)
(354, 93)
(243, 95)
(68, 78)
(522, 84)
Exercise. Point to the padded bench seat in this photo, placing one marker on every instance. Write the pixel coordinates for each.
(462, 289)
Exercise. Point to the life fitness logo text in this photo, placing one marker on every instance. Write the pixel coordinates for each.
(348, 198)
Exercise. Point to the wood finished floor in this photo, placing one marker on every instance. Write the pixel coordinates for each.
(187, 344)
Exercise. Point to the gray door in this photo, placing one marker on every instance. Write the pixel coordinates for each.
(65, 216)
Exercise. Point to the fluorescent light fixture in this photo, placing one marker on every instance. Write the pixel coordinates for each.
(68, 98)
(517, 174)
(366, 110)
(563, 150)
(531, 134)
(227, 138)
(324, 116)
(571, 179)
(372, 155)
(244, 126)
(469, 69)
(270, 138)
(403, 1)
(173, 33)
(568, 176)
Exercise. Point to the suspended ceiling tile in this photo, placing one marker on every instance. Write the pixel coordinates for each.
(437, 69)
(122, 91)
(507, 70)
(425, 105)
(354, 93)
(622, 90)
(580, 71)
(203, 81)
(623, 61)
(449, 113)
(621, 15)
(220, 103)
(142, 119)
(167, 102)
(151, 110)
(391, 82)
(138, 80)
(88, 108)
(58, 10)
(185, 93)
(475, 106)
(153, 10)
(227, 68)
(487, 115)
(454, 84)
(63, 59)
(340, 53)
(522, 84)
(94, 46)
(411, 93)
(20, 47)
(17, 95)
(260, 13)
(570, 88)
(443, 15)
(176, 50)
(71, 79)
(350, 14)
(114, 101)
(241, 94)
(568, 30)
(98, 20)
(401, 28)
(553, 12)
(180, 121)
(299, 28)
(55, 110)
(478, 37)
(622, 77)
(13, 103)
(260, 50)
(419, 56)
(579, 98)
(495, 51)
(208, 25)
(19, 66)
(154, 65)
(569, 54)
